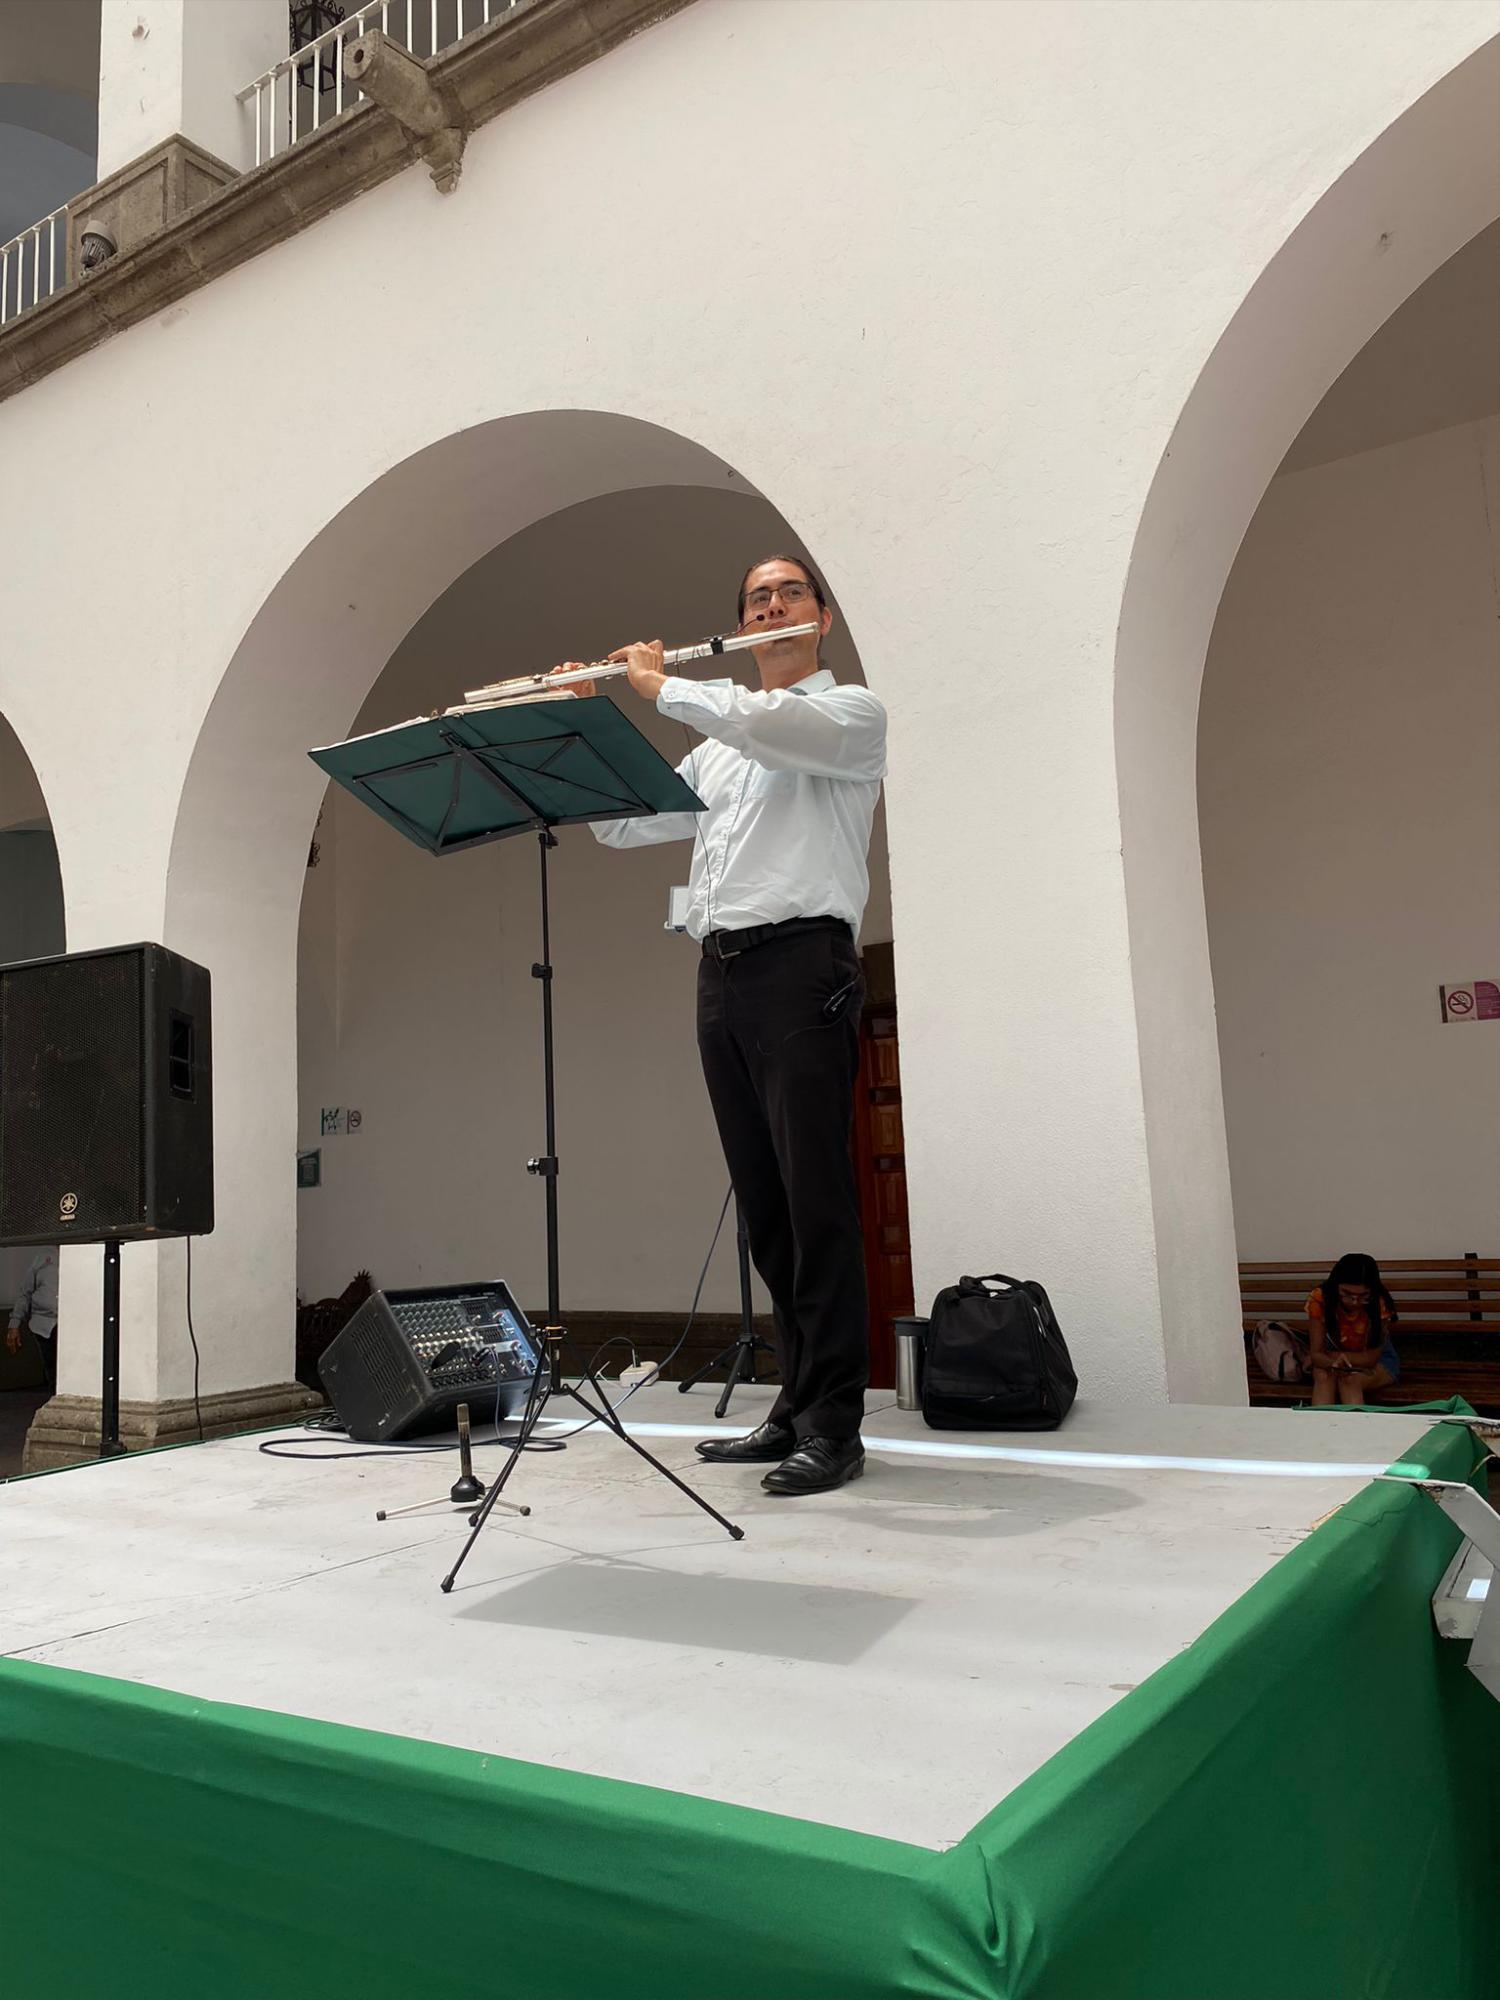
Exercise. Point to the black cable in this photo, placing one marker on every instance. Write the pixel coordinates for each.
(614, 1340)
(296, 1447)
(197, 1358)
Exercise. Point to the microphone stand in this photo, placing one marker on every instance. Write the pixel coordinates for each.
(465, 1490)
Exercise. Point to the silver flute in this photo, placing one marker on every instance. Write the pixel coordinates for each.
(534, 687)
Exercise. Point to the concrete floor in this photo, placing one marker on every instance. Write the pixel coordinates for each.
(1001, 1592)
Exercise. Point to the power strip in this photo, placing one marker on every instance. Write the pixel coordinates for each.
(639, 1375)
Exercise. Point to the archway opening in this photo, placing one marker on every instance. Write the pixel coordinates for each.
(1349, 795)
(1428, 185)
(505, 547)
(31, 926)
(1349, 801)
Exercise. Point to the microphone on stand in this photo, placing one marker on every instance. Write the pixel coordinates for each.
(466, 1488)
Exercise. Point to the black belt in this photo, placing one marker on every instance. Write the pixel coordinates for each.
(729, 944)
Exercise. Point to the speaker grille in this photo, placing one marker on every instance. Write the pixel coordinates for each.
(72, 1061)
(106, 1098)
(380, 1351)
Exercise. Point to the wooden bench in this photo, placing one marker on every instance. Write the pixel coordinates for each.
(1447, 1332)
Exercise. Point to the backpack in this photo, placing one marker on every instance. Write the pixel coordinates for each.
(1279, 1354)
(996, 1359)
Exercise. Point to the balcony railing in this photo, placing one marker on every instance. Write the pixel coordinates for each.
(307, 88)
(33, 265)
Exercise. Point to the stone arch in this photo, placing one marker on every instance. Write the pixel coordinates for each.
(1427, 185)
(298, 678)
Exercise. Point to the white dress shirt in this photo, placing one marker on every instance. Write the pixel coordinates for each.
(789, 781)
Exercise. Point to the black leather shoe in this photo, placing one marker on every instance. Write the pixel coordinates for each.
(816, 1465)
(764, 1446)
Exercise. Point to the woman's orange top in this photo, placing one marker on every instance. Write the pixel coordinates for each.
(1352, 1332)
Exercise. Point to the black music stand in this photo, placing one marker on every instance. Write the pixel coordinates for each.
(452, 782)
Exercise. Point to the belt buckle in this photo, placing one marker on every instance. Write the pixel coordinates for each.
(717, 942)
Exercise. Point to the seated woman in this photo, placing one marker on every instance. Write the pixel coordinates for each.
(1350, 1321)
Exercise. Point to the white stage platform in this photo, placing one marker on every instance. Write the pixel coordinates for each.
(1001, 1591)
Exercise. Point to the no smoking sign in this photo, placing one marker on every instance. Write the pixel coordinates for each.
(1477, 1000)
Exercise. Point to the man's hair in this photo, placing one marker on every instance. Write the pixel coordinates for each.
(802, 563)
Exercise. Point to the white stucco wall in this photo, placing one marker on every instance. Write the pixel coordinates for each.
(938, 281)
(175, 66)
(1349, 786)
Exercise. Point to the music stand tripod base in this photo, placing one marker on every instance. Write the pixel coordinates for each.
(545, 1384)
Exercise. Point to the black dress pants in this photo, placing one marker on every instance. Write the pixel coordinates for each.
(778, 1032)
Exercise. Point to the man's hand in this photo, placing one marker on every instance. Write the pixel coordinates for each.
(13, 1339)
(578, 687)
(643, 667)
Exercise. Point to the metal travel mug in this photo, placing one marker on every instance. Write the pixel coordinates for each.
(910, 1335)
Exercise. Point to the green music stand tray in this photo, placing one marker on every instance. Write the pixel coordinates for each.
(450, 782)
(456, 781)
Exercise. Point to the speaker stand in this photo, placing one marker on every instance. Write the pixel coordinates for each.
(109, 1405)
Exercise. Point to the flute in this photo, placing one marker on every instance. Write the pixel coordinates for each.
(535, 687)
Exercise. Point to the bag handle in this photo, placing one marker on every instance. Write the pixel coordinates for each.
(991, 1278)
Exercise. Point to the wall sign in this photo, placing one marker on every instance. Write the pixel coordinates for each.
(310, 1169)
(1477, 1000)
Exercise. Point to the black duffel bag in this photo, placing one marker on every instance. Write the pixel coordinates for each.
(995, 1359)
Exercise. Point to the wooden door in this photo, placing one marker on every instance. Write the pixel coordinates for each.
(880, 1161)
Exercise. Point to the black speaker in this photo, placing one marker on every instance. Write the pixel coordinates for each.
(406, 1360)
(106, 1101)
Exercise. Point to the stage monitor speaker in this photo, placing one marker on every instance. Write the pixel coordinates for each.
(106, 1101)
(406, 1360)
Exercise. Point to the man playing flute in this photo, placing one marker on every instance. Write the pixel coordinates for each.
(789, 777)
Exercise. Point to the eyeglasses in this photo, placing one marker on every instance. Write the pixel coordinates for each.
(794, 591)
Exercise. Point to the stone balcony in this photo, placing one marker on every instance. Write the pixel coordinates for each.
(176, 218)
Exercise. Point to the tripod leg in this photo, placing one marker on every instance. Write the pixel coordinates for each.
(699, 1374)
(747, 1306)
(743, 1368)
(606, 1415)
(740, 1354)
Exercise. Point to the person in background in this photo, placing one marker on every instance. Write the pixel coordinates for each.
(1350, 1321)
(37, 1302)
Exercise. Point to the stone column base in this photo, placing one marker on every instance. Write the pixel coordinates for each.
(66, 1430)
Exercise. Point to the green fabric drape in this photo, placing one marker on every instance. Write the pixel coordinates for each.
(1246, 1824)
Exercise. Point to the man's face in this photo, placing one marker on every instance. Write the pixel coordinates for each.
(778, 594)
